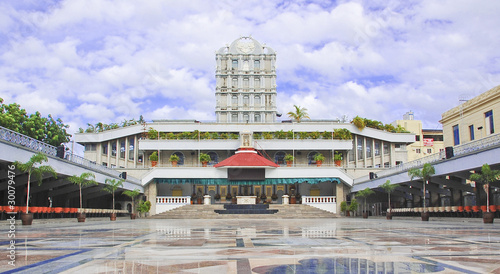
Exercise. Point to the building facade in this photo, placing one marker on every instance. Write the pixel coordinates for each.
(347, 152)
(475, 119)
(427, 141)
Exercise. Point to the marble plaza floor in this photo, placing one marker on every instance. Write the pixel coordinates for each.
(340, 245)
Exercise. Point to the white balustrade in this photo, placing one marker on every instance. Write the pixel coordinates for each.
(173, 200)
(327, 203)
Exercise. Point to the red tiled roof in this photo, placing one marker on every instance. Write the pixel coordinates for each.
(246, 158)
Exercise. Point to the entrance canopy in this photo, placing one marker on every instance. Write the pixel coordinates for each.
(269, 181)
(246, 158)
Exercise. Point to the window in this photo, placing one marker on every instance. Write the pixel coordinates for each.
(235, 82)
(214, 158)
(131, 148)
(360, 148)
(417, 138)
(245, 118)
(377, 148)
(122, 148)
(429, 150)
(386, 148)
(105, 148)
(488, 120)
(235, 100)
(257, 100)
(234, 118)
(257, 118)
(90, 147)
(113, 149)
(456, 135)
(399, 162)
(368, 148)
(245, 82)
(257, 83)
(418, 151)
(256, 65)
(235, 64)
(471, 132)
(246, 100)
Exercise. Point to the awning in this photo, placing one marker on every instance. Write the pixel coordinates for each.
(246, 158)
(269, 181)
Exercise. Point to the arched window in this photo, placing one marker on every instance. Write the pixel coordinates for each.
(310, 157)
(279, 158)
(181, 158)
(214, 158)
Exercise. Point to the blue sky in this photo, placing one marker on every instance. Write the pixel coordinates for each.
(89, 61)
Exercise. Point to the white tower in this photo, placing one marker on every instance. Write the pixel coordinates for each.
(245, 83)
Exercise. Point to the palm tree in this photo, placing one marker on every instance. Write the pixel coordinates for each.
(111, 186)
(299, 114)
(85, 179)
(389, 188)
(132, 194)
(486, 177)
(424, 174)
(364, 194)
(34, 168)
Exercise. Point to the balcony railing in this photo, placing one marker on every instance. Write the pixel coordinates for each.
(25, 141)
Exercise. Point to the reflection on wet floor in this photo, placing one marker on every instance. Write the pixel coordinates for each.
(341, 245)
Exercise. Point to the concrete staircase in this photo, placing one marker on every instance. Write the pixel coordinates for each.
(296, 211)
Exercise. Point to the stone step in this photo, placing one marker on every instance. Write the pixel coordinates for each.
(296, 211)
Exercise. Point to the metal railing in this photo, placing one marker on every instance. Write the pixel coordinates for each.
(25, 141)
(33, 144)
(490, 141)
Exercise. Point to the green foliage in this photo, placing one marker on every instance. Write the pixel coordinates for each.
(354, 205)
(45, 129)
(144, 206)
(267, 135)
(315, 134)
(343, 206)
(425, 173)
(111, 185)
(256, 136)
(163, 135)
(289, 157)
(205, 135)
(486, 177)
(153, 156)
(132, 194)
(152, 133)
(280, 134)
(389, 189)
(224, 136)
(299, 114)
(34, 169)
(174, 158)
(327, 135)
(171, 136)
(319, 157)
(342, 134)
(85, 179)
(234, 136)
(337, 156)
(303, 135)
(290, 134)
(364, 194)
(359, 122)
(205, 157)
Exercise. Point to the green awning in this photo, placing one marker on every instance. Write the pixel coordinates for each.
(279, 181)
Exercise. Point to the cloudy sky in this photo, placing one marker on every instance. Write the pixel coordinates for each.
(89, 61)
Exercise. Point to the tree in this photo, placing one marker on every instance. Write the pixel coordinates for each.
(486, 177)
(424, 174)
(111, 186)
(45, 129)
(85, 179)
(132, 194)
(299, 114)
(364, 194)
(389, 188)
(34, 168)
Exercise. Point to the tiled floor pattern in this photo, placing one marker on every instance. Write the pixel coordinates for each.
(341, 245)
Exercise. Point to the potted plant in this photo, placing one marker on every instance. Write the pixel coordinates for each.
(34, 168)
(364, 194)
(132, 194)
(353, 206)
(154, 158)
(359, 122)
(228, 197)
(193, 198)
(204, 159)
(174, 159)
(85, 179)
(425, 175)
(319, 158)
(217, 197)
(343, 208)
(274, 197)
(337, 158)
(486, 177)
(111, 185)
(144, 207)
(388, 188)
(289, 159)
